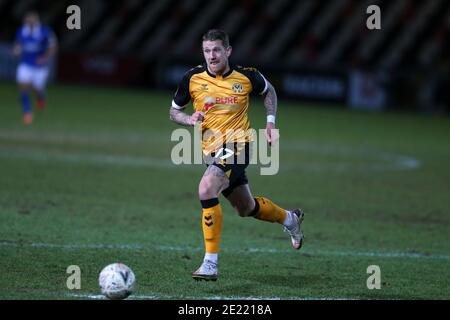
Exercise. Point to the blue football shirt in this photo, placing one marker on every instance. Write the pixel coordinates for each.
(34, 43)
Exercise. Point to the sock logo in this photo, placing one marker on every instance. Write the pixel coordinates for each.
(208, 218)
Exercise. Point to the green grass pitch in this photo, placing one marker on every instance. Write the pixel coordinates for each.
(91, 183)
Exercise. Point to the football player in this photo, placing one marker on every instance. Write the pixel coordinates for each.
(34, 46)
(220, 96)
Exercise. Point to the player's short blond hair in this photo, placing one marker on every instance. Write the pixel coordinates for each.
(216, 34)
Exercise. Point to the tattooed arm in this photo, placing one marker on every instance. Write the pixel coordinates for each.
(271, 103)
(180, 117)
(183, 118)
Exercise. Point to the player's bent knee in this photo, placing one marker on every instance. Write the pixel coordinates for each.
(205, 193)
(208, 189)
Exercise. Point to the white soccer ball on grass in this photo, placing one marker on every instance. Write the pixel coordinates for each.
(117, 281)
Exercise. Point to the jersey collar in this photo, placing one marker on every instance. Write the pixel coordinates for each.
(226, 74)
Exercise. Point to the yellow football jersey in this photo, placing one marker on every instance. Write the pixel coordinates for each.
(224, 99)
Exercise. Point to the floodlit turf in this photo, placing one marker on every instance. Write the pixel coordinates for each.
(91, 183)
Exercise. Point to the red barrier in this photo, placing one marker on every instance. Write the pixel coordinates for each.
(97, 69)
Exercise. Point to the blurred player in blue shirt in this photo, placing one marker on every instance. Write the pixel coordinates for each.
(35, 45)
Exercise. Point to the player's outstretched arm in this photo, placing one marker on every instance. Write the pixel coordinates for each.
(271, 103)
(183, 118)
(270, 100)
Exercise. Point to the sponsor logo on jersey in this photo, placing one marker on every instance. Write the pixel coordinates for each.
(227, 100)
(209, 103)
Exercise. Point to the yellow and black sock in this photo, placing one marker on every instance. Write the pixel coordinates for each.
(211, 224)
(266, 210)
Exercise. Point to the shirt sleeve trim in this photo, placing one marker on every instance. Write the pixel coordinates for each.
(174, 105)
(266, 85)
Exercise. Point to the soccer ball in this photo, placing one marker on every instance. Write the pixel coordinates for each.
(116, 281)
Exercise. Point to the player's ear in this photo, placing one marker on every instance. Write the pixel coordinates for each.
(229, 50)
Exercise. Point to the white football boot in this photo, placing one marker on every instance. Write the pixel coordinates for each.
(295, 230)
(208, 271)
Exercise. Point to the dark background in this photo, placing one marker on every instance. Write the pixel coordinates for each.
(312, 50)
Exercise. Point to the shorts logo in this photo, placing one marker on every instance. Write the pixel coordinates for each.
(237, 87)
(226, 153)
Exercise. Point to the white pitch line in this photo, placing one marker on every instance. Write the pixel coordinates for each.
(373, 160)
(408, 255)
(84, 138)
(71, 245)
(92, 158)
(102, 297)
(183, 297)
(43, 155)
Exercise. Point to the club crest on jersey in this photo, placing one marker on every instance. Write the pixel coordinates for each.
(237, 87)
